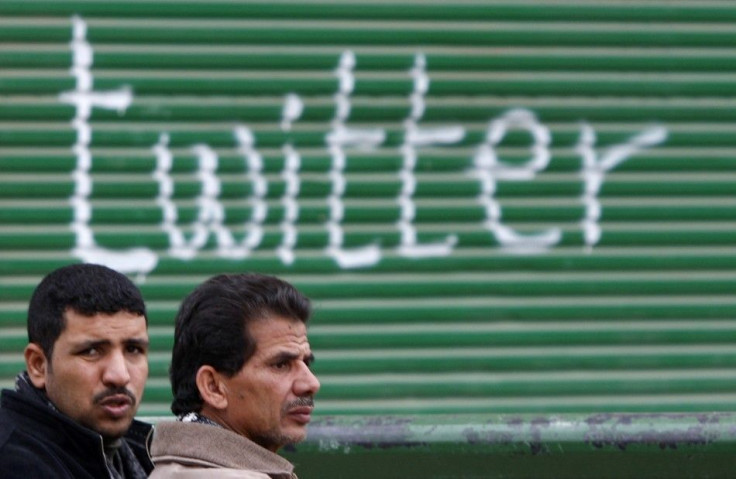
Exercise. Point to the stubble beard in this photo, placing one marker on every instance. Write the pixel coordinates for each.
(276, 438)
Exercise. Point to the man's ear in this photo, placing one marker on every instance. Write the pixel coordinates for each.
(37, 364)
(211, 387)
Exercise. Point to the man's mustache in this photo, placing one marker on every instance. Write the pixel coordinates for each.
(301, 402)
(99, 397)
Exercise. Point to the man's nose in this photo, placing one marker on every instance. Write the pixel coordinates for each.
(307, 383)
(116, 370)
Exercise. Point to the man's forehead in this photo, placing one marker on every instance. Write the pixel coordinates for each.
(72, 311)
(279, 333)
(103, 324)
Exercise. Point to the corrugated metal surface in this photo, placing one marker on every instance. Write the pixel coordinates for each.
(496, 206)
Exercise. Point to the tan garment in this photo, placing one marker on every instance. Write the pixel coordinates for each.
(190, 450)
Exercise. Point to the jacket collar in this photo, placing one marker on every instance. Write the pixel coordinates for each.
(48, 422)
(209, 446)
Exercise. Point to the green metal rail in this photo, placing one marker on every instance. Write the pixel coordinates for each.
(520, 446)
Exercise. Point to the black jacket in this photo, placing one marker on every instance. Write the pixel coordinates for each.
(38, 442)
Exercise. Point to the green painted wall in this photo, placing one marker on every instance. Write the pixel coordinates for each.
(497, 207)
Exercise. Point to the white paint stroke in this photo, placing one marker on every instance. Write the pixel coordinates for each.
(416, 137)
(290, 175)
(343, 136)
(338, 139)
(488, 169)
(136, 260)
(521, 119)
(254, 161)
(594, 169)
(292, 110)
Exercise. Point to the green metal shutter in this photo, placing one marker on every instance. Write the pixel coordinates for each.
(496, 206)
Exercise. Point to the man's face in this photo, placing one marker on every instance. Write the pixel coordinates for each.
(98, 370)
(270, 400)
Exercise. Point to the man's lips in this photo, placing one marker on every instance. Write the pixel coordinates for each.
(302, 414)
(117, 405)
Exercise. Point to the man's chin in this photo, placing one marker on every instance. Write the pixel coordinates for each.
(276, 440)
(111, 436)
(295, 435)
(113, 432)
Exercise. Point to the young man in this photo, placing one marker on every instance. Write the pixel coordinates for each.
(71, 414)
(241, 377)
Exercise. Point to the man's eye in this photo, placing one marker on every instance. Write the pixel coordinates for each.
(89, 352)
(281, 365)
(135, 350)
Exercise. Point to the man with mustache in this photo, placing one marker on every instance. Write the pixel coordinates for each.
(71, 414)
(242, 381)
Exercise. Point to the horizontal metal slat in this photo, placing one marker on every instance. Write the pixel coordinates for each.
(319, 160)
(545, 358)
(650, 11)
(459, 334)
(319, 32)
(550, 404)
(216, 135)
(396, 57)
(527, 384)
(405, 287)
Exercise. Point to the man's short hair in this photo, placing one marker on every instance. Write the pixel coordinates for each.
(87, 289)
(211, 328)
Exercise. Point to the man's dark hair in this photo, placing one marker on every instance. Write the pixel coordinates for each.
(212, 328)
(87, 289)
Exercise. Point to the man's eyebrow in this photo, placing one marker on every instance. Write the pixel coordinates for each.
(291, 356)
(96, 343)
(90, 343)
(142, 342)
